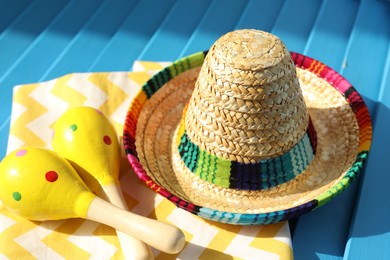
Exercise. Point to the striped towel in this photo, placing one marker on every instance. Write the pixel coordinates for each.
(37, 106)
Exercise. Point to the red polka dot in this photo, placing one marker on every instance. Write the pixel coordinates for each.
(107, 140)
(51, 176)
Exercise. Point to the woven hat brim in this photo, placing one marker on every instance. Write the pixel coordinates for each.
(339, 115)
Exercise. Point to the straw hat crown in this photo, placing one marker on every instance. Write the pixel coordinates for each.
(247, 105)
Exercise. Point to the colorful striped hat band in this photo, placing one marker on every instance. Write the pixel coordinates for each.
(260, 175)
(247, 133)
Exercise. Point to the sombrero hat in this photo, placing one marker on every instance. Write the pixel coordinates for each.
(247, 133)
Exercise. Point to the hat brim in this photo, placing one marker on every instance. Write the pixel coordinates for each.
(339, 115)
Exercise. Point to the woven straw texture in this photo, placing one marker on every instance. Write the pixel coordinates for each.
(224, 120)
(342, 124)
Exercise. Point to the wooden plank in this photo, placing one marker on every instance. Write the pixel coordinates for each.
(323, 233)
(369, 237)
(132, 36)
(370, 230)
(295, 22)
(214, 24)
(260, 14)
(329, 37)
(171, 37)
(22, 32)
(9, 11)
(365, 53)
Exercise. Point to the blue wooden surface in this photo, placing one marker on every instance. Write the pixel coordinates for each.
(44, 39)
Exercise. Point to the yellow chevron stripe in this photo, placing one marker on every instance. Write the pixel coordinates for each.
(130, 201)
(34, 110)
(116, 96)
(108, 234)
(62, 90)
(8, 246)
(139, 77)
(58, 240)
(221, 241)
(163, 210)
(265, 242)
(151, 65)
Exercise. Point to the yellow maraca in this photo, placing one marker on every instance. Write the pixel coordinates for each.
(85, 137)
(38, 184)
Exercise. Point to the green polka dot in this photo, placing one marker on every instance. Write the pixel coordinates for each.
(17, 196)
(73, 127)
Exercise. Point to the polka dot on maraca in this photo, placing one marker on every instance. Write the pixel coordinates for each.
(73, 127)
(107, 140)
(51, 176)
(17, 196)
(21, 152)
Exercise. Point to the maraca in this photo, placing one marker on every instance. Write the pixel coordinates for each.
(86, 138)
(38, 184)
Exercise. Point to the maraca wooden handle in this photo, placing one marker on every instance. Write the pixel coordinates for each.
(114, 195)
(132, 247)
(160, 235)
